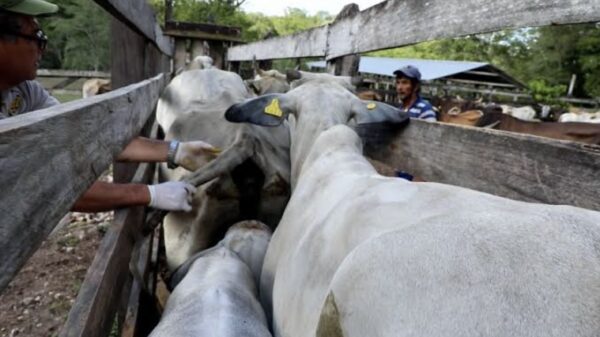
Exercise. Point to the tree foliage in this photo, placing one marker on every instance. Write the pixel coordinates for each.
(79, 37)
(545, 58)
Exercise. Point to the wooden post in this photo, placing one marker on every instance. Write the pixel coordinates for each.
(181, 54)
(217, 52)
(345, 65)
(200, 48)
(138, 61)
(168, 10)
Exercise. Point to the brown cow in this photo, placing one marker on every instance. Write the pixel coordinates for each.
(369, 95)
(455, 116)
(579, 132)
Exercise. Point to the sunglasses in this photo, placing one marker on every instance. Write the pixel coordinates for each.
(38, 36)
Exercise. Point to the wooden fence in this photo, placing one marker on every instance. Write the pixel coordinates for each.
(521, 167)
(50, 157)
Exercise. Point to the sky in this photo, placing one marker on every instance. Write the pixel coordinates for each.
(278, 7)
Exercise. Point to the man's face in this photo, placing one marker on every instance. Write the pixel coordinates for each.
(20, 57)
(404, 87)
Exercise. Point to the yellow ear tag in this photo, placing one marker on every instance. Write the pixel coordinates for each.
(273, 108)
(371, 106)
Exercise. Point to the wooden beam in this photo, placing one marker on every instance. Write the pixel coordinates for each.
(72, 73)
(507, 164)
(139, 16)
(310, 43)
(204, 28)
(94, 309)
(474, 82)
(50, 157)
(393, 24)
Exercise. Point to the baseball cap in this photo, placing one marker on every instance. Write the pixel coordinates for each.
(28, 7)
(409, 71)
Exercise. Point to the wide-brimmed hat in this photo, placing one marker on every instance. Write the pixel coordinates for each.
(28, 7)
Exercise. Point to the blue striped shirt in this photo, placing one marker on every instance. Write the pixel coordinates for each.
(421, 109)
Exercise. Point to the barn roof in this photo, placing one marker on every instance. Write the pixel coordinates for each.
(477, 73)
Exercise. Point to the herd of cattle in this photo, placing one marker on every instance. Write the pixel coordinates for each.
(294, 233)
(574, 126)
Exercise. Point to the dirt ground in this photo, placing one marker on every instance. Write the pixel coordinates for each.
(38, 300)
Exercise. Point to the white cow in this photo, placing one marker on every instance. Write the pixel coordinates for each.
(358, 254)
(95, 86)
(268, 82)
(582, 117)
(249, 180)
(216, 290)
(525, 113)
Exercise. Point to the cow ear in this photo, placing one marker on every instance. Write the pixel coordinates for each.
(266, 110)
(377, 112)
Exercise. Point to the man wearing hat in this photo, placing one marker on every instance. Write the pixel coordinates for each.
(408, 87)
(22, 44)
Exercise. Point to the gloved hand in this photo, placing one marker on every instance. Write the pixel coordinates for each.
(193, 155)
(172, 196)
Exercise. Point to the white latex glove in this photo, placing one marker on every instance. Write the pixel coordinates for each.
(172, 196)
(193, 155)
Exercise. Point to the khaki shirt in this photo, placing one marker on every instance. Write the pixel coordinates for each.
(25, 97)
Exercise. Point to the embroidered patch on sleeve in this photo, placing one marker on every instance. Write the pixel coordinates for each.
(15, 105)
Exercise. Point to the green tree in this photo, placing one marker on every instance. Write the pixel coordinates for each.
(79, 37)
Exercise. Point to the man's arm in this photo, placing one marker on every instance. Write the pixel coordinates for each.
(103, 196)
(169, 196)
(190, 155)
(142, 149)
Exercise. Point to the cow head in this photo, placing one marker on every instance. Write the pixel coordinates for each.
(316, 105)
(273, 109)
(268, 82)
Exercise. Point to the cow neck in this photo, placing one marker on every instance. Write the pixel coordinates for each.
(304, 142)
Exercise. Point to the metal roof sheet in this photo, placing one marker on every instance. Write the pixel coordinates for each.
(430, 69)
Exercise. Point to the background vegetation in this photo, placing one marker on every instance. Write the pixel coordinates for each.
(544, 58)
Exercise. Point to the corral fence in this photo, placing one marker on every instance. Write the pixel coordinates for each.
(50, 157)
(67, 82)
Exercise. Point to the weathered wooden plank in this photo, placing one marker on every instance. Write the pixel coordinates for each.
(310, 43)
(395, 23)
(139, 16)
(49, 157)
(94, 309)
(512, 165)
(72, 73)
(135, 317)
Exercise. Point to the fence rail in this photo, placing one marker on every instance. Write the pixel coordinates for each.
(396, 23)
(507, 164)
(72, 73)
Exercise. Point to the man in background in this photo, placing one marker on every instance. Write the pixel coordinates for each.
(408, 87)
